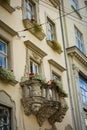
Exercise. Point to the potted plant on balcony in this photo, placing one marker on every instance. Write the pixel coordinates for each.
(55, 45)
(58, 86)
(37, 27)
(7, 76)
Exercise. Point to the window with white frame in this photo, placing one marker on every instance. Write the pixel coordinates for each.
(30, 10)
(74, 3)
(5, 118)
(83, 88)
(34, 67)
(3, 54)
(50, 30)
(79, 40)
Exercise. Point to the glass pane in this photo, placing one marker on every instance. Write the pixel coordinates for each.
(31, 67)
(2, 61)
(35, 69)
(2, 47)
(50, 36)
(27, 5)
(28, 15)
(5, 122)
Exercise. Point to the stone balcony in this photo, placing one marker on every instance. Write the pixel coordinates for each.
(43, 100)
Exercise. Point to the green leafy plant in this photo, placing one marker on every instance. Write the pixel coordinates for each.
(6, 75)
(56, 46)
(58, 85)
(37, 27)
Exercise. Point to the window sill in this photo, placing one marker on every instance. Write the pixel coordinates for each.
(59, 51)
(7, 6)
(29, 26)
(76, 11)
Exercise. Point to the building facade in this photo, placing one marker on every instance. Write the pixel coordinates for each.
(31, 59)
(75, 31)
(34, 80)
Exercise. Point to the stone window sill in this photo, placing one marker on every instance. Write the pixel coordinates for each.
(29, 26)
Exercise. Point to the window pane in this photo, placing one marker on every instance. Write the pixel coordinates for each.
(83, 86)
(79, 40)
(31, 67)
(35, 69)
(51, 32)
(28, 15)
(2, 61)
(2, 47)
(5, 118)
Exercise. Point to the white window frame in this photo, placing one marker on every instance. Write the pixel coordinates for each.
(50, 30)
(79, 40)
(33, 67)
(83, 89)
(4, 54)
(31, 12)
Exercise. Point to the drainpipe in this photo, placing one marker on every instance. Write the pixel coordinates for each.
(66, 63)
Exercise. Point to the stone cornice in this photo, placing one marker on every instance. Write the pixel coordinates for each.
(74, 51)
(34, 48)
(54, 2)
(7, 6)
(54, 63)
(7, 28)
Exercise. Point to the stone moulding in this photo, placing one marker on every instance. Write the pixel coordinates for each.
(54, 2)
(39, 104)
(30, 26)
(7, 6)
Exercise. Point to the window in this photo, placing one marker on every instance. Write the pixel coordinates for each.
(51, 30)
(83, 87)
(79, 40)
(30, 10)
(33, 67)
(3, 54)
(74, 4)
(5, 118)
(55, 77)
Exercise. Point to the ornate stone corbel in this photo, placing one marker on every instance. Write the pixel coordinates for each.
(68, 127)
(75, 70)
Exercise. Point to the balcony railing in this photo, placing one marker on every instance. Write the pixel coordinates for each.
(44, 100)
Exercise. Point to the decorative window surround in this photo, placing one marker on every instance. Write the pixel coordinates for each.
(6, 100)
(34, 53)
(7, 6)
(74, 51)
